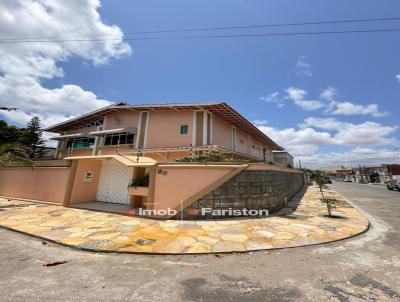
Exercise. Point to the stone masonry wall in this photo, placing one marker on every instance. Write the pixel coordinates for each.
(250, 189)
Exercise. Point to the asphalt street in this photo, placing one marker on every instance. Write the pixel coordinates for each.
(364, 268)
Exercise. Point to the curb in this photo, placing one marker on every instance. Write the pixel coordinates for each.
(98, 251)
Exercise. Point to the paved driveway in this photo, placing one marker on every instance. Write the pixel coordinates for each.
(365, 268)
(96, 231)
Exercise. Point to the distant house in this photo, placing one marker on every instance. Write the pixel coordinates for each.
(340, 173)
(164, 132)
(283, 158)
(365, 174)
(394, 171)
(382, 173)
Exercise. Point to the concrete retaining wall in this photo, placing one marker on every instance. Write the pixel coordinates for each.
(250, 189)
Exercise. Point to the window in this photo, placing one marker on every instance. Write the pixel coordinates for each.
(80, 142)
(242, 141)
(184, 129)
(122, 138)
(97, 123)
(143, 121)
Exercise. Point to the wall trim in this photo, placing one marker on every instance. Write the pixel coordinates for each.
(70, 183)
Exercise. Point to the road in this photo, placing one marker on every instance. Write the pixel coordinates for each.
(365, 268)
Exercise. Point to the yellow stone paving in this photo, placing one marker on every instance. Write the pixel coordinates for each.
(97, 231)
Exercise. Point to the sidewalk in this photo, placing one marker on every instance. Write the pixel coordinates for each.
(106, 232)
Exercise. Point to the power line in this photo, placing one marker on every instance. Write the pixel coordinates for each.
(210, 36)
(268, 25)
(213, 28)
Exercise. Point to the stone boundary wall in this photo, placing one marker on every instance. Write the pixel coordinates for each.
(250, 189)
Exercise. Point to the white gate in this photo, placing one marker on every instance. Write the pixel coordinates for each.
(113, 183)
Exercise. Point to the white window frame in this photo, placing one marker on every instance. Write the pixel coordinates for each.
(140, 129)
(205, 119)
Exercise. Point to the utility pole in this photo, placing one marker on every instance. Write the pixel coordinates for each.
(362, 178)
(300, 163)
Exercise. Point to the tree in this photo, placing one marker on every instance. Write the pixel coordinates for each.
(320, 180)
(330, 203)
(12, 153)
(11, 134)
(34, 138)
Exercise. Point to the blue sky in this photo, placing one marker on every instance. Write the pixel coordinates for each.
(302, 91)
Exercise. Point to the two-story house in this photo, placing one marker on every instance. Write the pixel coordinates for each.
(164, 132)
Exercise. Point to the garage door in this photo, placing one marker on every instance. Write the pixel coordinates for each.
(113, 183)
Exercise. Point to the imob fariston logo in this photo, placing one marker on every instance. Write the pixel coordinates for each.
(205, 212)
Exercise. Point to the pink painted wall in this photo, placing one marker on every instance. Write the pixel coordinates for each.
(85, 191)
(183, 182)
(163, 129)
(125, 120)
(241, 135)
(46, 184)
(222, 133)
(80, 152)
(257, 150)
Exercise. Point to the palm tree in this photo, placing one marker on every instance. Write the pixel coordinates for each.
(12, 153)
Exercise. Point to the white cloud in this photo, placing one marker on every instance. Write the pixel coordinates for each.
(328, 94)
(351, 158)
(348, 134)
(299, 142)
(303, 67)
(347, 108)
(398, 77)
(306, 141)
(259, 122)
(24, 66)
(326, 102)
(324, 123)
(275, 98)
(298, 96)
(365, 134)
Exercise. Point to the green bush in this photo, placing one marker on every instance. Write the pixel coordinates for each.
(140, 181)
(208, 157)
